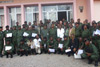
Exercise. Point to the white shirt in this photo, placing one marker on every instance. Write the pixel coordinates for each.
(60, 33)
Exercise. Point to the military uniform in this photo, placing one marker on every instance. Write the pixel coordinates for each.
(92, 50)
(52, 44)
(53, 32)
(45, 33)
(10, 51)
(86, 33)
(22, 49)
(44, 45)
(19, 36)
(5, 34)
(1, 42)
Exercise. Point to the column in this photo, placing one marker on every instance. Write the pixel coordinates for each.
(22, 14)
(74, 10)
(40, 11)
(5, 17)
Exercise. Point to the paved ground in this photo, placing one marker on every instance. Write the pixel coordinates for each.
(44, 60)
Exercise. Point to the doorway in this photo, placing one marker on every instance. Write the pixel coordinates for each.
(61, 15)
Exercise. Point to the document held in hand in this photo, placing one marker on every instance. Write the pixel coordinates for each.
(68, 50)
(97, 32)
(60, 45)
(80, 52)
(9, 35)
(8, 48)
(52, 50)
(77, 56)
(25, 34)
(34, 34)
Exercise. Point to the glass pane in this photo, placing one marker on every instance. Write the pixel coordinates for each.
(0, 20)
(1, 11)
(19, 18)
(49, 8)
(18, 10)
(29, 17)
(35, 16)
(35, 8)
(44, 16)
(52, 16)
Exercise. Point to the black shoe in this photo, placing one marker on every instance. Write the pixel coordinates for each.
(90, 62)
(7, 57)
(11, 56)
(96, 63)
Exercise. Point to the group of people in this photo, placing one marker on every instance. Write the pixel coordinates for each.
(52, 37)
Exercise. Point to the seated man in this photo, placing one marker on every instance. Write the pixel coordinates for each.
(37, 41)
(31, 46)
(51, 45)
(66, 43)
(59, 46)
(73, 44)
(9, 49)
(22, 49)
(90, 52)
(44, 45)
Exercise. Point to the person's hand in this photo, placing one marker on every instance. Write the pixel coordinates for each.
(8, 51)
(74, 49)
(88, 54)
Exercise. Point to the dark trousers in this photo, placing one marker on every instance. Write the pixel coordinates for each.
(33, 51)
(7, 54)
(24, 52)
(59, 51)
(44, 50)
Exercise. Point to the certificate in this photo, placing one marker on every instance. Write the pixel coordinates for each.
(9, 35)
(34, 34)
(25, 34)
(60, 45)
(68, 50)
(77, 56)
(80, 52)
(8, 48)
(52, 50)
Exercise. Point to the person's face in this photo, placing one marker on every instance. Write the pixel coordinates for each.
(19, 28)
(0, 29)
(87, 43)
(65, 24)
(85, 27)
(29, 23)
(51, 38)
(99, 24)
(21, 42)
(65, 38)
(45, 27)
(60, 22)
(70, 25)
(52, 26)
(37, 36)
(45, 39)
(7, 28)
(8, 42)
(25, 22)
(77, 25)
(78, 20)
(58, 39)
(30, 39)
(14, 28)
(95, 25)
(80, 39)
(17, 23)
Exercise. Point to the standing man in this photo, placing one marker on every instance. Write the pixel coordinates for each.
(1, 41)
(6, 32)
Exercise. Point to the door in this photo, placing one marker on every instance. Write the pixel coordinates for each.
(61, 15)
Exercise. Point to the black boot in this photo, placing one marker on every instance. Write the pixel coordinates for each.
(90, 61)
(96, 63)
